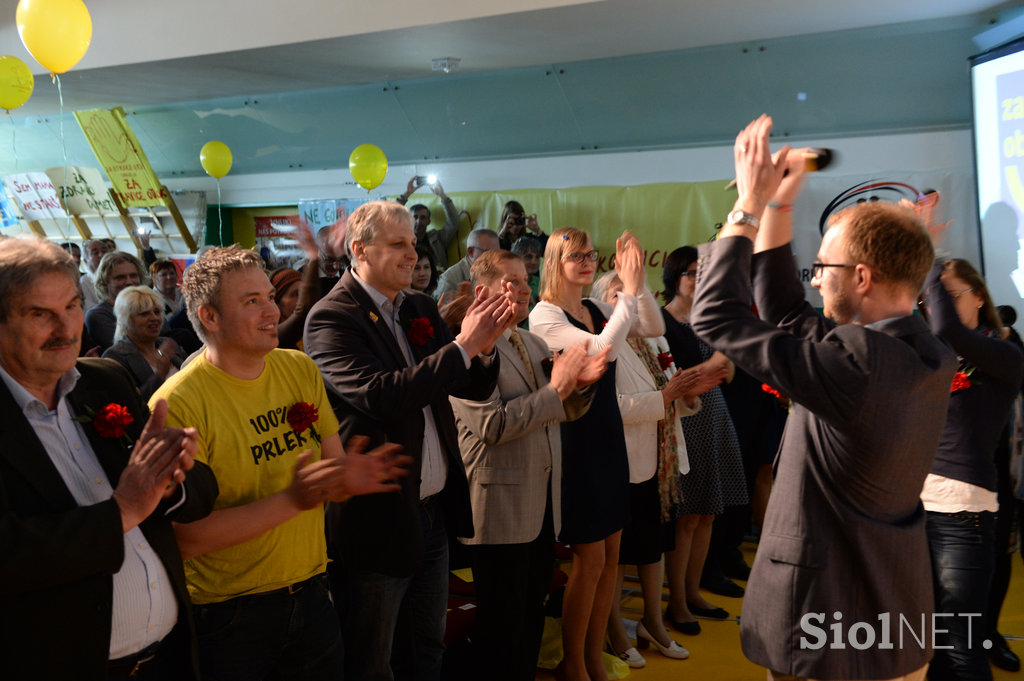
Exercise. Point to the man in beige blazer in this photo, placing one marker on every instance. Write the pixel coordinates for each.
(511, 445)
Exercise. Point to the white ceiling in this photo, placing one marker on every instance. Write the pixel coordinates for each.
(527, 33)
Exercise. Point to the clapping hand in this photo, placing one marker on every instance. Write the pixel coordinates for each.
(681, 383)
(375, 471)
(158, 461)
(453, 305)
(486, 318)
(706, 379)
(924, 210)
(629, 263)
(593, 368)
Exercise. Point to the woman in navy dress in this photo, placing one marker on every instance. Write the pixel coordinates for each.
(595, 468)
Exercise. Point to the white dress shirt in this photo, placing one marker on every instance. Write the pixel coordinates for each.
(144, 608)
(434, 466)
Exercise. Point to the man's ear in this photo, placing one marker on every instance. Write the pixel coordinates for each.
(358, 251)
(863, 279)
(209, 318)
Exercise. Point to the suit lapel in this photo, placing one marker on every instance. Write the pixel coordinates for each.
(26, 454)
(373, 316)
(509, 354)
(110, 452)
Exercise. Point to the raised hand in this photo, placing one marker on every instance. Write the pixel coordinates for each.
(307, 242)
(486, 318)
(438, 189)
(531, 224)
(629, 263)
(453, 305)
(337, 235)
(758, 173)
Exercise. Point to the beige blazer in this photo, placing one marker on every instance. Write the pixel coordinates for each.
(511, 444)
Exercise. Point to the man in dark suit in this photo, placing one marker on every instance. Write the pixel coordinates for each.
(390, 364)
(93, 585)
(844, 540)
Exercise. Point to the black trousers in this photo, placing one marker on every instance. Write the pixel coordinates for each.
(511, 582)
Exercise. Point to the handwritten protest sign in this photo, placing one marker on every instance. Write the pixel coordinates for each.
(86, 192)
(35, 196)
(122, 157)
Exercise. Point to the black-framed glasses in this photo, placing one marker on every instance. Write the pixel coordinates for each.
(580, 257)
(818, 268)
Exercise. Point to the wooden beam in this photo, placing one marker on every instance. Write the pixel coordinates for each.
(186, 235)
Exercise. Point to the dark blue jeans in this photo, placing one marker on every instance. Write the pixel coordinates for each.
(294, 637)
(963, 559)
(394, 627)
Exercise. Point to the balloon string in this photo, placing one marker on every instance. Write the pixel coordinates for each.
(64, 147)
(220, 218)
(14, 138)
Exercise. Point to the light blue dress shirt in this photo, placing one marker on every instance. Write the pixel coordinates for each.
(144, 608)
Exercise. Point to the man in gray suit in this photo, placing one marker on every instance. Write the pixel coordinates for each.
(843, 566)
(511, 445)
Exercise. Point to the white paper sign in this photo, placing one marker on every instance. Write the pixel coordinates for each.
(35, 196)
(86, 192)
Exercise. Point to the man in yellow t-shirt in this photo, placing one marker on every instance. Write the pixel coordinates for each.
(256, 566)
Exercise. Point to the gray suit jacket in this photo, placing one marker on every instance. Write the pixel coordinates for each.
(511, 444)
(845, 528)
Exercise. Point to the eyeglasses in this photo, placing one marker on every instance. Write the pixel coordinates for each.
(324, 260)
(692, 274)
(818, 268)
(961, 293)
(580, 257)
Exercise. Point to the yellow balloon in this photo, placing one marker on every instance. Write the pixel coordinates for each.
(368, 166)
(55, 32)
(216, 158)
(16, 83)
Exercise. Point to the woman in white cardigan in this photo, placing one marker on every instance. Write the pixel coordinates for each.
(652, 398)
(595, 467)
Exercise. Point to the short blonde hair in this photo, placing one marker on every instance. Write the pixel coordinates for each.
(562, 241)
(891, 241)
(365, 222)
(23, 260)
(130, 302)
(103, 271)
(202, 279)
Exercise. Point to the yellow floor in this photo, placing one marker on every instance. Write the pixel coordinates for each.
(715, 653)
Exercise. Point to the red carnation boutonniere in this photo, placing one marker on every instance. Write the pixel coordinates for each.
(604, 324)
(110, 422)
(418, 331)
(961, 381)
(772, 391)
(665, 360)
(302, 415)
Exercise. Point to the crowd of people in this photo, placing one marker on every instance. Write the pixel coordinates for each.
(270, 474)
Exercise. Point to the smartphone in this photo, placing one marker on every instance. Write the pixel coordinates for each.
(421, 180)
(519, 220)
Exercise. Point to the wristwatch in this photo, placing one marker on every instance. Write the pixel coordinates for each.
(739, 217)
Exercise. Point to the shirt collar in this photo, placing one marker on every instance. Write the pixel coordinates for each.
(378, 298)
(881, 322)
(24, 398)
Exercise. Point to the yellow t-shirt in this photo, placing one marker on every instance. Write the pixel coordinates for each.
(244, 436)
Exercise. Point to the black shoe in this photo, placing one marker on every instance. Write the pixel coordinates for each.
(688, 628)
(721, 585)
(737, 570)
(710, 613)
(1000, 655)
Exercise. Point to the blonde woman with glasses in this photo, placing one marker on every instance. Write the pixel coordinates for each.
(595, 467)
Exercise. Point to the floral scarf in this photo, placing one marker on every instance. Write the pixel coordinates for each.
(668, 453)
